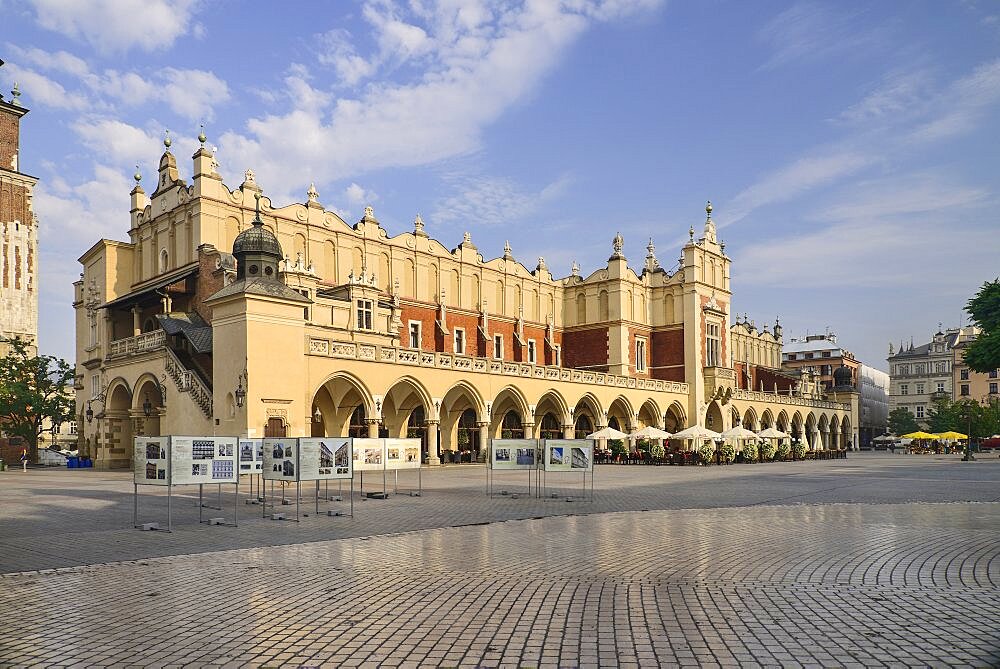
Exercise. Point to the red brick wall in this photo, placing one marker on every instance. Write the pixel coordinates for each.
(426, 314)
(769, 378)
(207, 283)
(634, 333)
(8, 138)
(586, 348)
(14, 203)
(667, 354)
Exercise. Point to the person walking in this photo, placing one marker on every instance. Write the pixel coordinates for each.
(24, 459)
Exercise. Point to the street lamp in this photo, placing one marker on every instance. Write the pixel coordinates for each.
(241, 392)
(317, 415)
(968, 436)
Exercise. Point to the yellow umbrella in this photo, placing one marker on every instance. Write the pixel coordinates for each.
(952, 435)
(920, 435)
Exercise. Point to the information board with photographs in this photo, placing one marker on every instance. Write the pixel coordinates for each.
(281, 459)
(569, 455)
(251, 456)
(324, 458)
(151, 460)
(203, 460)
(514, 454)
(402, 453)
(369, 454)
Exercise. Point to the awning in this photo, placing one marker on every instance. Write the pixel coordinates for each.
(150, 290)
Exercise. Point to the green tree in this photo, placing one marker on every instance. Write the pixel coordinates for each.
(983, 355)
(32, 389)
(944, 416)
(901, 421)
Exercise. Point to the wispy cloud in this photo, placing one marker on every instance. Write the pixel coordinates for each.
(118, 25)
(960, 107)
(810, 31)
(489, 201)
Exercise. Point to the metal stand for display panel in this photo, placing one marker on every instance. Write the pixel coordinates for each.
(420, 483)
(331, 512)
(544, 489)
(236, 502)
(135, 511)
(491, 483)
(298, 498)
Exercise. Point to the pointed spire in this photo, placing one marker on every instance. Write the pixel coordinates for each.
(256, 217)
(418, 226)
(507, 254)
(575, 270)
(651, 262)
(709, 223)
(691, 235)
(15, 94)
(312, 194)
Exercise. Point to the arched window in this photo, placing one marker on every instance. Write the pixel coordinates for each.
(581, 309)
(358, 429)
(511, 427)
(550, 428)
(583, 427)
(602, 306)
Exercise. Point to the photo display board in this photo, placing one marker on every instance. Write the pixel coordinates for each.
(569, 455)
(369, 454)
(203, 460)
(151, 460)
(402, 453)
(324, 458)
(514, 454)
(251, 456)
(281, 459)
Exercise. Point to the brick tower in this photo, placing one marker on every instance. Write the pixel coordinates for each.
(18, 232)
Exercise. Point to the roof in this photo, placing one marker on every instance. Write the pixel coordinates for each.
(191, 326)
(150, 290)
(261, 286)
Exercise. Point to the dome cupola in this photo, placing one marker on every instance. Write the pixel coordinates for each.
(257, 251)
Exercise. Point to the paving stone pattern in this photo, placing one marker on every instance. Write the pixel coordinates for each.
(798, 564)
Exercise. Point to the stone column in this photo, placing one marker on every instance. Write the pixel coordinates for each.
(372, 427)
(432, 442)
(529, 430)
(569, 431)
(136, 321)
(484, 437)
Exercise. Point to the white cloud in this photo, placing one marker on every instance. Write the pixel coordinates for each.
(37, 89)
(901, 94)
(810, 31)
(118, 142)
(485, 200)
(117, 25)
(357, 195)
(73, 216)
(474, 64)
(962, 104)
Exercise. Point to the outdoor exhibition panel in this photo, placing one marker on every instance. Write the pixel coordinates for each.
(564, 455)
(369, 455)
(251, 456)
(512, 455)
(203, 460)
(325, 458)
(151, 461)
(568, 456)
(402, 453)
(280, 461)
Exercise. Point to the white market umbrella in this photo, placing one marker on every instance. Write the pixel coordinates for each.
(608, 433)
(771, 433)
(739, 432)
(696, 432)
(650, 432)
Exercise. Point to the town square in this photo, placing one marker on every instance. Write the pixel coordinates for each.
(500, 334)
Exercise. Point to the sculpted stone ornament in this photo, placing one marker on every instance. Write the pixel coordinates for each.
(312, 193)
(418, 226)
(575, 269)
(617, 244)
(507, 254)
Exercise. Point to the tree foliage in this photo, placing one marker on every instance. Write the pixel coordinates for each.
(901, 421)
(966, 416)
(983, 355)
(32, 389)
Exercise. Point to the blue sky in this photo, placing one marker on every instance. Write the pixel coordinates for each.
(849, 149)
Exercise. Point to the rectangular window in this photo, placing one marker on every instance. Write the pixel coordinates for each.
(964, 374)
(993, 374)
(791, 356)
(920, 389)
(712, 345)
(72, 427)
(305, 310)
(415, 334)
(826, 354)
(558, 355)
(809, 356)
(640, 355)
(904, 389)
(940, 386)
(993, 389)
(365, 309)
(459, 341)
(93, 331)
(498, 346)
(965, 390)
(825, 370)
(919, 369)
(920, 411)
(532, 353)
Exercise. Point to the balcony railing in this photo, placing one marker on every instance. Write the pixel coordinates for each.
(149, 341)
(758, 396)
(405, 356)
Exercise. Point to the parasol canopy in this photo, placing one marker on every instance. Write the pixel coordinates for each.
(697, 432)
(772, 433)
(920, 435)
(739, 432)
(608, 433)
(952, 435)
(650, 432)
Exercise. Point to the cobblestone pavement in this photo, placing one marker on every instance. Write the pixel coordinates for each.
(60, 518)
(836, 585)
(873, 561)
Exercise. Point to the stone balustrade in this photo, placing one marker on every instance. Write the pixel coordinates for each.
(758, 396)
(148, 341)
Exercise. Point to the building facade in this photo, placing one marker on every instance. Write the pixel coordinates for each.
(921, 374)
(18, 233)
(822, 355)
(313, 326)
(967, 384)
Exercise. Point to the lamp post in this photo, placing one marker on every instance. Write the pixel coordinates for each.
(241, 390)
(968, 435)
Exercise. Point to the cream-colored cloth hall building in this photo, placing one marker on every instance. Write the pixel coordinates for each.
(216, 319)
